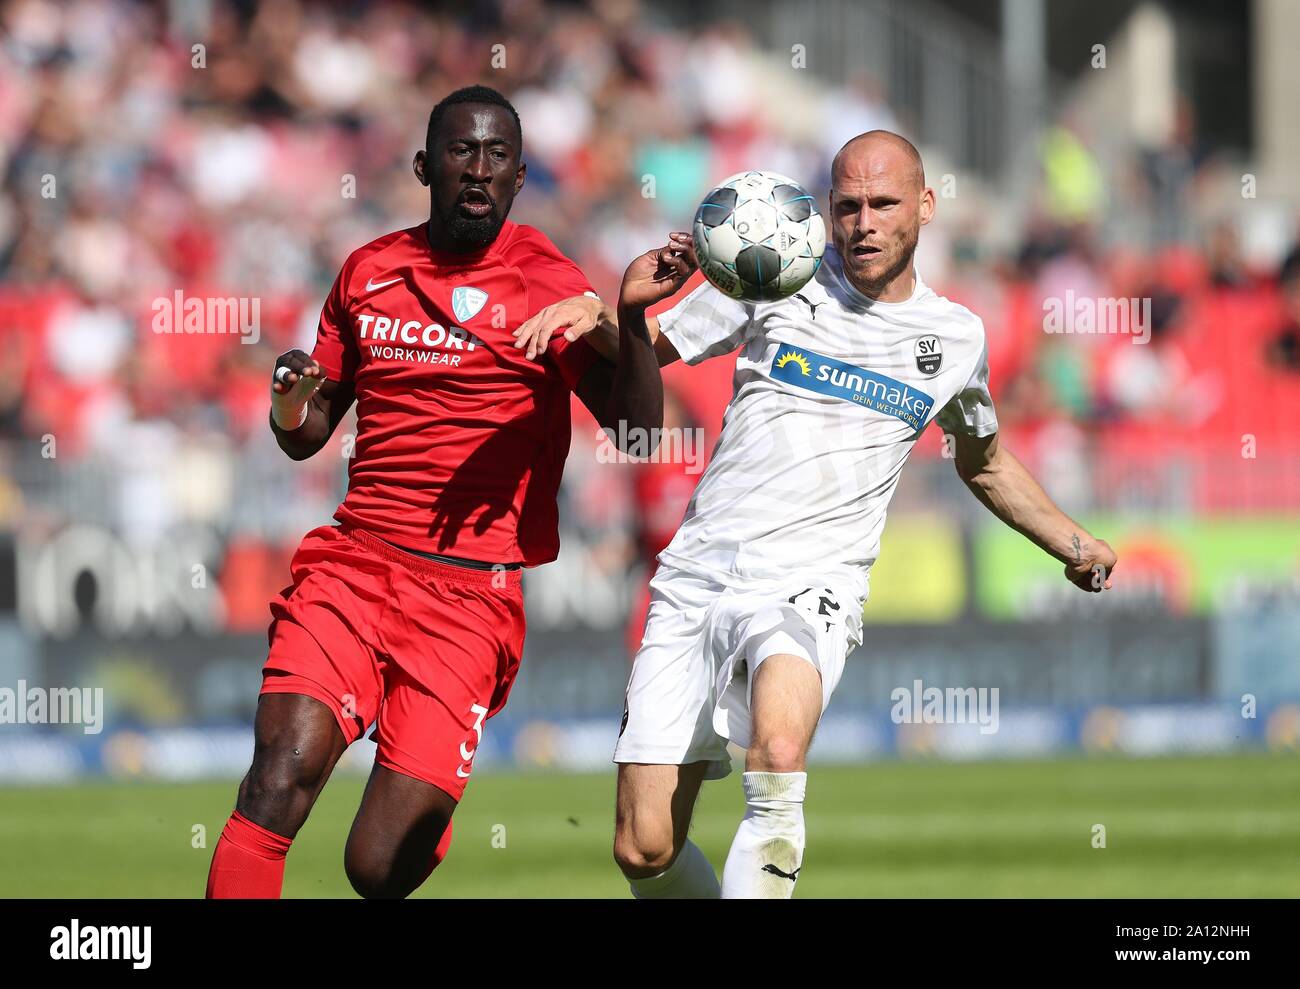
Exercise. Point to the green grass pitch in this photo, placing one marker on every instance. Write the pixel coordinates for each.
(1175, 827)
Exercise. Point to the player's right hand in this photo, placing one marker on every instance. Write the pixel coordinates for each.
(293, 382)
(576, 316)
(301, 379)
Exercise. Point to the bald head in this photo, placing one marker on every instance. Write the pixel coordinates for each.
(879, 149)
(878, 204)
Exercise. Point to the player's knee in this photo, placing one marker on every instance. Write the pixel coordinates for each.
(373, 881)
(779, 752)
(641, 855)
(284, 778)
(377, 877)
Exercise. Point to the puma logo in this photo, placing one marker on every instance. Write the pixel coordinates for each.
(792, 876)
(812, 306)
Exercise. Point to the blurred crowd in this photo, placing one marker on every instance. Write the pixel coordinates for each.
(231, 149)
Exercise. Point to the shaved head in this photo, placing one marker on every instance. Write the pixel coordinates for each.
(877, 144)
(878, 203)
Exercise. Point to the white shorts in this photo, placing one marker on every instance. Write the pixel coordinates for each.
(689, 691)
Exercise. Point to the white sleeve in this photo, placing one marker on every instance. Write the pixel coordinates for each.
(706, 323)
(971, 409)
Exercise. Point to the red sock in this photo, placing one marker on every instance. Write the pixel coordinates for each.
(248, 863)
(440, 852)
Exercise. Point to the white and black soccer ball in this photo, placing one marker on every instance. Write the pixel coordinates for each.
(759, 237)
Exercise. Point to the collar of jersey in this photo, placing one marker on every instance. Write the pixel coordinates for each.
(467, 259)
(866, 302)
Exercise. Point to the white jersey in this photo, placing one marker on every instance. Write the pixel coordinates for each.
(831, 391)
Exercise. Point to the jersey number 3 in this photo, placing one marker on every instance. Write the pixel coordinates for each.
(466, 753)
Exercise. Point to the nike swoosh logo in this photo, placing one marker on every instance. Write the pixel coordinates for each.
(371, 284)
(784, 875)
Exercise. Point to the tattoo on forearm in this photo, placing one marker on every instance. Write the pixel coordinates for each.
(1078, 548)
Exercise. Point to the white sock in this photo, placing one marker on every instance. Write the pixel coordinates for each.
(690, 877)
(767, 853)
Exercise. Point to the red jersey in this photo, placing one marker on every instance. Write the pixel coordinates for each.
(461, 439)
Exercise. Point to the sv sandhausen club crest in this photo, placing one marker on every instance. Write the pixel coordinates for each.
(466, 302)
(929, 355)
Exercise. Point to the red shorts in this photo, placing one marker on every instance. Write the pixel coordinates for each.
(427, 651)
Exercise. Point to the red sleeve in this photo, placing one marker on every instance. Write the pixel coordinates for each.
(572, 360)
(336, 347)
(552, 277)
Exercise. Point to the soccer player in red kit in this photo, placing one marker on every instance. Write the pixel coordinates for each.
(408, 613)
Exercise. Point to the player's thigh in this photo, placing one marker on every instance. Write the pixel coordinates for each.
(668, 712)
(785, 703)
(427, 734)
(395, 833)
(795, 648)
(653, 807)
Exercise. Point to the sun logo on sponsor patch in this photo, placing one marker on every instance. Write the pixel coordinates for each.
(796, 358)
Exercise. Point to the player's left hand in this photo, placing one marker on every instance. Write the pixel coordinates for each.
(576, 316)
(1092, 569)
(657, 274)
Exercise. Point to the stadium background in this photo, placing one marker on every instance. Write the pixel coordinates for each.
(146, 515)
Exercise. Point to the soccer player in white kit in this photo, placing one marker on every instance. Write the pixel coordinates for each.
(758, 599)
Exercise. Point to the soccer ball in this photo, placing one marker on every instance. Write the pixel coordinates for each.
(758, 236)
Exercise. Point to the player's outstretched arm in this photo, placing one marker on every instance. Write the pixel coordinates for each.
(587, 316)
(604, 337)
(999, 480)
(305, 405)
(631, 393)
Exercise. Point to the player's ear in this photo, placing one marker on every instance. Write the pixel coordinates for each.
(418, 165)
(519, 177)
(927, 205)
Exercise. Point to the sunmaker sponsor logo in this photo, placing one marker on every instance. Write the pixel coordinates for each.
(828, 376)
